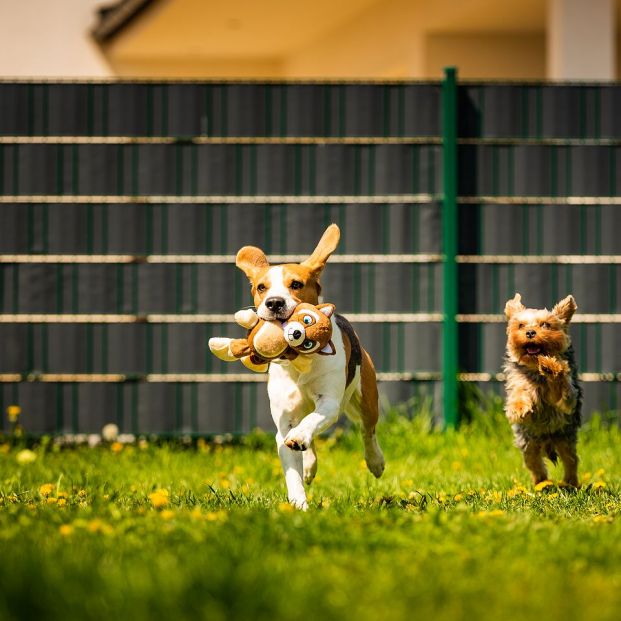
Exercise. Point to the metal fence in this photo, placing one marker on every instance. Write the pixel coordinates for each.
(122, 206)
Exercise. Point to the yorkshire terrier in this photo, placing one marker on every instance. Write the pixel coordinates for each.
(544, 399)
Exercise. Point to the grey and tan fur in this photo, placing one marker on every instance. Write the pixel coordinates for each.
(544, 398)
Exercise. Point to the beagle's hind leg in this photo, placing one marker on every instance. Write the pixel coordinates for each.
(365, 403)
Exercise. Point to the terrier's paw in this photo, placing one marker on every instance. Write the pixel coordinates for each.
(298, 440)
(519, 411)
(551, 367)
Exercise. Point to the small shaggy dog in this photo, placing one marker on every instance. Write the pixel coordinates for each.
(544, 398)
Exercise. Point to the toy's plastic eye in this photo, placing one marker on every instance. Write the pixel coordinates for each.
(296, 284)
(308, 344)
(307, 320)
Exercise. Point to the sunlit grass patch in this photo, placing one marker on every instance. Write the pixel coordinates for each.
(453, 530)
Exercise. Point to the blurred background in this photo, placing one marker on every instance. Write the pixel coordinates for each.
(143, 142)
(353, 39)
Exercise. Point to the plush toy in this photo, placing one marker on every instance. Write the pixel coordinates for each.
(307, 331)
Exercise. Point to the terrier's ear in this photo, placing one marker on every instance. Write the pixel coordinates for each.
(326, 246)
(565, 309)
(326, 309)
(514, 306)
(251, 260)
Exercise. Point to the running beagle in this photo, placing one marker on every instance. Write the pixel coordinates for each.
(308, 393)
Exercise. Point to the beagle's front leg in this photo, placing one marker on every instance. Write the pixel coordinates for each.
(324, 415)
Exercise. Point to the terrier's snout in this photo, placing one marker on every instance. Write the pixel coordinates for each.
(275, 304)
(531, 334)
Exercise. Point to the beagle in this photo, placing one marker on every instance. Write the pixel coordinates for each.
(308, 393)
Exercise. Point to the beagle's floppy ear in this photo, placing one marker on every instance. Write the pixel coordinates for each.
(565, 309)
(514, 306)
(250, 260)
(326, 246)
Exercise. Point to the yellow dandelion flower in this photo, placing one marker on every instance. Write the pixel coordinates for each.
(599, 484)
(159, 498)
(116, 447)
(543, 485)
(586, 476)
(196, 514)
(13, 412)
(225, 484)
(82, 493)
(62, 495)
(456, 465)
(98, 526)
(516, 491)
(495, 496)
(25, 457)
(46, 489)
(490, 514)
(407, 483)
(51, 500)
(167, 514)
(62, 502)
(602, 519)
(65, 530)
(285, 507)
(458, 497)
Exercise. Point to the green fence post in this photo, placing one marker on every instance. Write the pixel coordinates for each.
(449, 240)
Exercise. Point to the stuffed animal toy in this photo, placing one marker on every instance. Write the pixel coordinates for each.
(307, 331)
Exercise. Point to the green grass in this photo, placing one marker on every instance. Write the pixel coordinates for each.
(447, 533)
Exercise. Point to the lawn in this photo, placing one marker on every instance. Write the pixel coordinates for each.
(453, 530)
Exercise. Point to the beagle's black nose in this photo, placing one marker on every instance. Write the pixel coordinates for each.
(275, 304)
(531, 334)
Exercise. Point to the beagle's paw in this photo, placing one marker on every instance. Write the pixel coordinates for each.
(298, 439)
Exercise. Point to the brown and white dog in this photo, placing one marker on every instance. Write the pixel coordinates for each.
(308, 393)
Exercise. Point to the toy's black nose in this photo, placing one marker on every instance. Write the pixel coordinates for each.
(297, 334)
(275, 304)
(531, 334)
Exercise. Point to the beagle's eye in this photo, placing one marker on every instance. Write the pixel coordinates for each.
(521, 326)
(296, 284)
(307, 320)
(261, 288)
(545, 324)
(308, 344)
